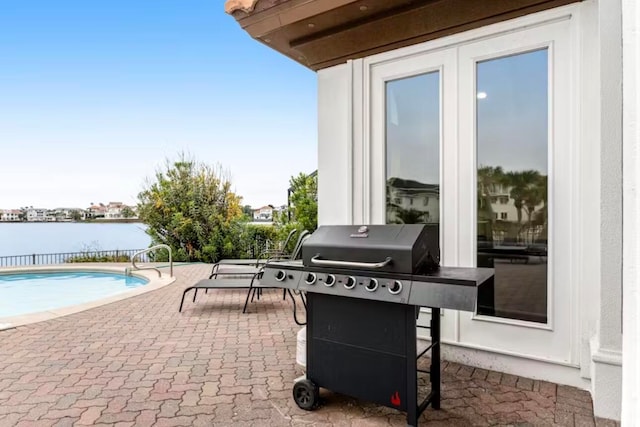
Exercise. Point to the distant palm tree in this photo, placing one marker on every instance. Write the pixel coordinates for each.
(521, 184)
(534, 195)
(488, 178)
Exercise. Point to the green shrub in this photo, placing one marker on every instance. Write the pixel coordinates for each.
(191, 208)
(98, 258)
(255, 239)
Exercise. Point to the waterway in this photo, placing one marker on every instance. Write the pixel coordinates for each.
(50, 237)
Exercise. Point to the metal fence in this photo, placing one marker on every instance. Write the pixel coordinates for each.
(121, 255)
(253, 249)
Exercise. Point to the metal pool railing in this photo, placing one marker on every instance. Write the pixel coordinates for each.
(139, 254)
(116, 255)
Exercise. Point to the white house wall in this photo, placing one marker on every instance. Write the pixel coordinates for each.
(343, 192)
(631, 237)
(606, 343)
(334, 146)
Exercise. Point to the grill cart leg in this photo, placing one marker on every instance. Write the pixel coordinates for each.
(433, 398)
(435, 358)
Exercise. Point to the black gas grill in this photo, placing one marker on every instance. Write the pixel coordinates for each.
(364, 287)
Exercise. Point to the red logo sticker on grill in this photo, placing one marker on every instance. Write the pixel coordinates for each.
(395, 399)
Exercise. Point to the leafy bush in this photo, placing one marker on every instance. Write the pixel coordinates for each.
(254, 239)
(191, 208)
(96, 257)
(302, 213)
(91, 252)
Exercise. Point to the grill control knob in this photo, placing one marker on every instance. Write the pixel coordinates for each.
(396, 287)
(330, 280)
(310, 279)
(350, 283)
(372, 285)
(280, 275)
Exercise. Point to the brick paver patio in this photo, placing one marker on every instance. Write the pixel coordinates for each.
(140, 362)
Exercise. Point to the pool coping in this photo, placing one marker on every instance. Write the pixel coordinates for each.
(154, 283)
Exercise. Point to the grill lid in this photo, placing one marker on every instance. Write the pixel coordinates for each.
(406, 248)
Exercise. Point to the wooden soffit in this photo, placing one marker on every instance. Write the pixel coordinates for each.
(322, 33)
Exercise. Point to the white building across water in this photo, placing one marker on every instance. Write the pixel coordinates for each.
(505, 123)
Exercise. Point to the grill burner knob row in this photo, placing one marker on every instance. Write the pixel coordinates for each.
(280, 275)
(310, 279)
(372, 285)
(330, 280)
(396, 287)
(350, 283)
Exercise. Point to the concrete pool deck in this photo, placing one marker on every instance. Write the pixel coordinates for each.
(154, 282)
(138, 362)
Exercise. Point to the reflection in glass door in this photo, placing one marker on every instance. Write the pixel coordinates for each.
(512, 151)
(413, 150)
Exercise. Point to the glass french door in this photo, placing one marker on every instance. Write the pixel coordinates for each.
(474, 139)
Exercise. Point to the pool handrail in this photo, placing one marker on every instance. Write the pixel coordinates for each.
(134, 267)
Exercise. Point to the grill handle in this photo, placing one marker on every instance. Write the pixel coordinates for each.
(332, 263)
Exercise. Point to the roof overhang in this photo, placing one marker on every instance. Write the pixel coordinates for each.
(322, 33)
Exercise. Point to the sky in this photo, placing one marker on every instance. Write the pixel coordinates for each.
(413, 128)
(512, 122)
(96, 95)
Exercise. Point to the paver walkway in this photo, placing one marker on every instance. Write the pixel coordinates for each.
(140, 362)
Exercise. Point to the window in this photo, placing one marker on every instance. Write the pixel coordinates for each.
(511, 139)
(413, 146)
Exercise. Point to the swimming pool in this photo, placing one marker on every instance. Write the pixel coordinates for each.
(42, 291)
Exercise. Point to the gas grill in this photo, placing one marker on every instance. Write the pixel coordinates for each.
(364, 287)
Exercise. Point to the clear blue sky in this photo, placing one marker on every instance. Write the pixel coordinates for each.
(96, 94)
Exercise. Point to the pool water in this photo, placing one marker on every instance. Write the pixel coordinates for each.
(34, 292)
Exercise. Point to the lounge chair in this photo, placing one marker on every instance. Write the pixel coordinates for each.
(254, 264)
(226, 281)
(239, 277)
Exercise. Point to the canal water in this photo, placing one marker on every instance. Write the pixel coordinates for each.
(49, 237)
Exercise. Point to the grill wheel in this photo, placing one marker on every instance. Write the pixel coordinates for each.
(306, 394)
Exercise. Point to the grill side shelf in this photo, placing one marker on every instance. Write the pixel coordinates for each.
(442, 295)
(454, 288)
(465, 276)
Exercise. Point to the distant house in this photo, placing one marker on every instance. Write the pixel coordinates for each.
(69, 214)
(412, 197)
(37, 215)
(50, 216)
(114, 210)
(96, 211)
(264, 213)
(279, 209)
(10, 215)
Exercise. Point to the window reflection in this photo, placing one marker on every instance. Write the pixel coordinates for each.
(413, 150)
(512, 181)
